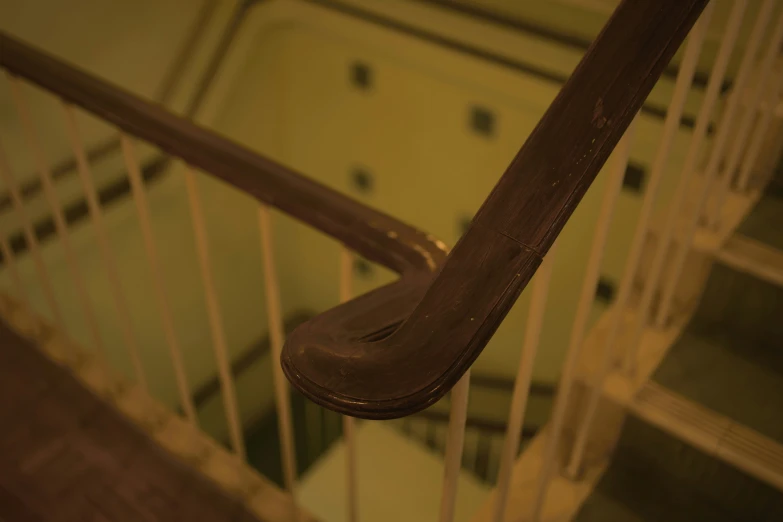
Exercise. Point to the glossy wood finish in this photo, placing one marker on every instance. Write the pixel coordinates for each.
(400, 348)
(422, 358)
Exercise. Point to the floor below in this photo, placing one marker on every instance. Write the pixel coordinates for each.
(67, 456)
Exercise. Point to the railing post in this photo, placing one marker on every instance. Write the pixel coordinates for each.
(275, 318)
(10, 262)
(219, 345)
(522, 382)
(759, 134)
(667, 236)
(142, 209)
(96, 215)
(568, 374)
(670, 127)
(747, 118)
(29, 236)
(694, 214)
(455, 441)
(349, 424)
(619, 163)
(61, 226)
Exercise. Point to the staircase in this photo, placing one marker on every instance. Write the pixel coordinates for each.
(704, 440)
(185, 412)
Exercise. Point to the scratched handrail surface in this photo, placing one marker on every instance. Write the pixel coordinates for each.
(399, 348)
(416, 363)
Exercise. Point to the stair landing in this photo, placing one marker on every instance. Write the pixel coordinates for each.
(67, 455)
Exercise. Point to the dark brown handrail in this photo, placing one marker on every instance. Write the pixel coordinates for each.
(419, 360)
(400, 348)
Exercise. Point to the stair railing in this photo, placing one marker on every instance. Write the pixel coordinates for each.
(396, 350)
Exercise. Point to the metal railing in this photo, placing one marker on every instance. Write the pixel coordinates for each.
(401, 348)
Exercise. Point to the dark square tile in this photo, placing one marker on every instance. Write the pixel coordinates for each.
(482, 121)
(361, 76)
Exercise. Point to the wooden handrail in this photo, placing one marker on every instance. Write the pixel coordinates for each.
(400, 348)
(418, 361)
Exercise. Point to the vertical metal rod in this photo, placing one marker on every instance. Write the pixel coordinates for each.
(759, 134)
(677, 209)
(349, 424)
(726, 124)
(772, 91)
(164, 308)
(219, 346)
(10, 263)
(29, 235)
(61, 226)
(670, 127)
(728, 121)
(455, 441)
(524, 378)
(275, 317)
(96, 216)
(617, 167)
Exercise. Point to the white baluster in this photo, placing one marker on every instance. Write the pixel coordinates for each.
(676, 209)
(616, 174)
(61, 226)
(455, 441)
(30, 239)
(773, 95)
(724, 128)
(10, 263)
(349, 424)
(745, 119)
(275, 317)
(142, 208)
(759, 134)
(219, 346)
(96, 216)
(670, 127)
(579, 327)
(524, 378)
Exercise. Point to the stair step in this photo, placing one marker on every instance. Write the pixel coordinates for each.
(656, 476)
(753, 257)
(715, 434)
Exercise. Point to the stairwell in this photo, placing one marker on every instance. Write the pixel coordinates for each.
(725, 371)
